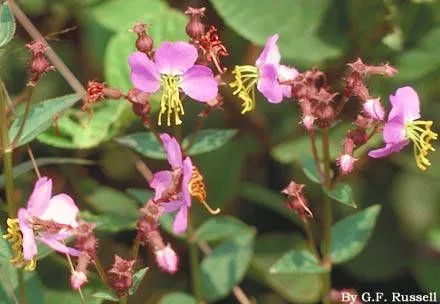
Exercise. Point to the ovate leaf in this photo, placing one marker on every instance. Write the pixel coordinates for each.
(137, 279)
(298, 261)
(342, 193)
(301, 22)
(226, 266)
(350, 235)
(178, 298)
(41, 116)
(7, 24)
(144, 143)
(220, 228)
(208, 140)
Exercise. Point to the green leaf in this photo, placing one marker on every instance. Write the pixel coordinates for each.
(427, 273)
(296, 288)
(208, 140)
(178, 298)
(45, 161)
(113, 202)
(144, 143)
(137, 279)
(420, 61)
(106, 295)
(220, 228)
(79, 130)
(350, 235)
(257, 194)
(121, 15)
(41, 117)
(7, 24)
(226, 266)
(301, 23)
(298, 261)
(342, 193)
(309, 168)
(434, 238)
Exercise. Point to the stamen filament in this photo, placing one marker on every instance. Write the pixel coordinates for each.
(246, 77)
(15, 237)
(420, 133)
(170, 101)
(198, 191)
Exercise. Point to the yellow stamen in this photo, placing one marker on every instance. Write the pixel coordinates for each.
(170, 101)
(198, 190)
(246, 77)
(420, 133)
(15, 237)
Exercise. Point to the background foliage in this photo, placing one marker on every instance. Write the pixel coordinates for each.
(249, 163)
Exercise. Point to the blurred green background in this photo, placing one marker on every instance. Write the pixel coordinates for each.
(245, 176)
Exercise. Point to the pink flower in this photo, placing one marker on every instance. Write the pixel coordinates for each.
(173, 68)
(77, 279)
(49, 218)
(373, 108)
(402, 127)
(266, 75)
(167, 259)
(178, 179)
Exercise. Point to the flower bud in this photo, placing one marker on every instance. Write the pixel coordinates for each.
(195, 28)
(167, 259)
(144, 41)
(373, 108)
(346, 161)
(121, 275)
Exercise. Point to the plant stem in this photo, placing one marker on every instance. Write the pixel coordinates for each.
(7, 167)
(101, 271)
(327, 217)
(123, 300)
(310, 239)
(194, 262)
(315, 153)
(196, 131)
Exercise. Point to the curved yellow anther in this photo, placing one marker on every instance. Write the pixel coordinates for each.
(15, 237)
(246, 77)
(420, 133)
(198, 191)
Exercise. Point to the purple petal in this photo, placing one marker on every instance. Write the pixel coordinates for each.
(268, 84)
(175, 58)
(394, 132)
(174, 152)
(270, 53)
(374, 109)
(286, 73)
(40, 196)
(161, 180)
(144, 74)
(181, 221)
(388, 149)
(61, 209)
(29, 244)
(187, 174)
(172, 206)
(199, 83)
(56, 245)
(405, 105)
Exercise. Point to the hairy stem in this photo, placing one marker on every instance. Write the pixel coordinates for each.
(315, 154)
(101, 271)
(7, 167)
(327, 217)
(194, 263)
(27, 107)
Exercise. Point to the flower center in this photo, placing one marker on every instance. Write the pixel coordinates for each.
(170, 101)
(197, 189)
(15, 237)
(419, 132)
(246, 76)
